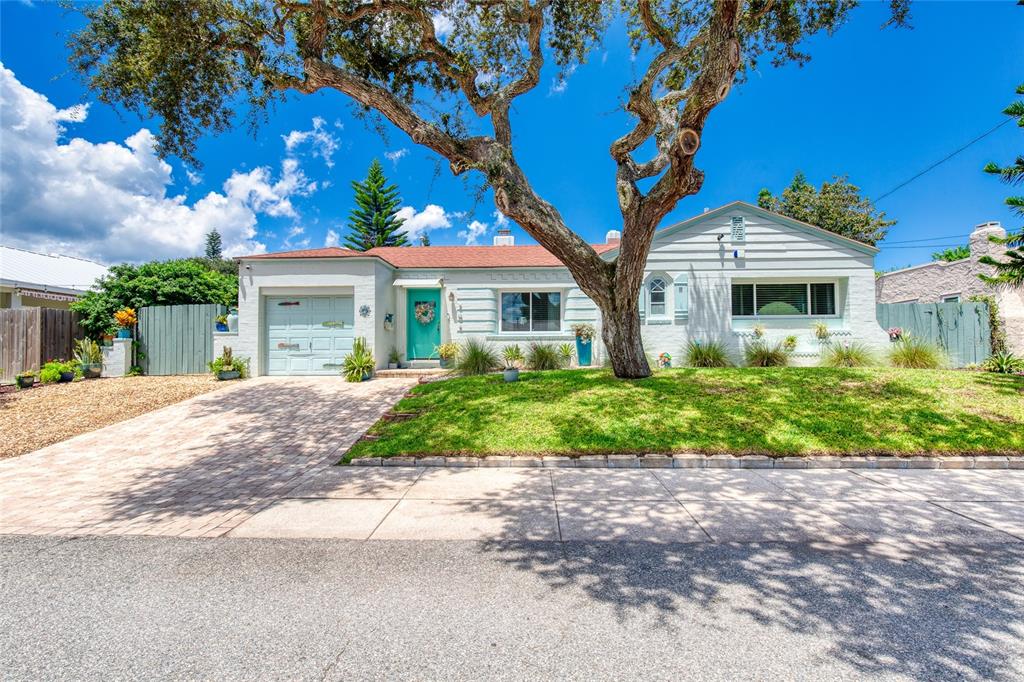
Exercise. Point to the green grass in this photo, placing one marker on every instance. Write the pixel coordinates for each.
(775, 411)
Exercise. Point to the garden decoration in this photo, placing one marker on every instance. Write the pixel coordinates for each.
(584, 343)
(425, 312)
(125, 319)
(664, 361)
(389, 322)
(364, 310)
(232, 320)
(895, 333)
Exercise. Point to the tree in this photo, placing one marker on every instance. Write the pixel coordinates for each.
(191, 62)
(1010, 272)
(213, 245)
(953, 253)
(424, 239)
(373, 222)
(173, 282)
(837, 207)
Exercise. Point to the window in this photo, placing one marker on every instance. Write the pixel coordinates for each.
(739, 228)
(682, 300)
(536, 311)
(656, 293)
(955, 298)
(783, 299)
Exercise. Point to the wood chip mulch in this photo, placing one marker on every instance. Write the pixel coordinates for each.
(43, 415)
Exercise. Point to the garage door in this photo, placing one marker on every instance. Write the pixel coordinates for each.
(308, 334)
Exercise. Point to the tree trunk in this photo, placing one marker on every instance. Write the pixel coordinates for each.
(620, 331)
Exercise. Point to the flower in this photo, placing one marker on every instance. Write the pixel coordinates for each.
(125, 317)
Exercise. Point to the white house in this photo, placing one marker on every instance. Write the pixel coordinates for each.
(30, 279)
(710, 278)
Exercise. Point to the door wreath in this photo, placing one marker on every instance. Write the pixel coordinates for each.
(425, 312)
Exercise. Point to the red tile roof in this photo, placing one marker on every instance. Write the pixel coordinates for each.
(443, 256)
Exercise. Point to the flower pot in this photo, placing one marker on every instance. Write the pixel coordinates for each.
(232, 322)
(511, 374)
(108, 339)
(65, 377)
(26, 382)
(367, 376)
(446, 363)
(225, 375)
(92, 371)
(124, 333)
(583, 352)
(221, 327)
(392, 365)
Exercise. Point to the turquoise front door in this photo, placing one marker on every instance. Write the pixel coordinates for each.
(423, 322)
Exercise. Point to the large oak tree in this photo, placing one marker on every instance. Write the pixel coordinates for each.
(192, 62)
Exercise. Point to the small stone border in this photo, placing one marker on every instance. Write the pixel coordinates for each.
(695, 461)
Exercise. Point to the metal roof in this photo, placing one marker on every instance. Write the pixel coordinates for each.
(53, 272)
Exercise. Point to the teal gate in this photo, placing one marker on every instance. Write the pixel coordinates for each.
(177, 339)
(961, 329)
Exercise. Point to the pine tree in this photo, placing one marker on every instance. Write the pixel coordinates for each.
(373, 222)
(424, 239)
(213, 245)
(1010, 272)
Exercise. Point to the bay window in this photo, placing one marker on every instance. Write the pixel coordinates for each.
(531, 311)
(784, 299)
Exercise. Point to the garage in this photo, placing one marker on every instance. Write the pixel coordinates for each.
(308, 334)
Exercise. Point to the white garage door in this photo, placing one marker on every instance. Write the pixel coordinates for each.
(308, 334)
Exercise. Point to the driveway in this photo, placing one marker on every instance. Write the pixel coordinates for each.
(196, 468)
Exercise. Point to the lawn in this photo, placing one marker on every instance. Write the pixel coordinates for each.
(776, 411)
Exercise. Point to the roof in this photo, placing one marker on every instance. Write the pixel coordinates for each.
(53, 272)
(444, 257)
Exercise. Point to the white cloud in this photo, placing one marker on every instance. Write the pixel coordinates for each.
(323, 142)
(397, 155)
(442, 25)
(109, 201)
(433, 217)
(499, 219)
(193, 177)
(332, 238)
(560, 83)
(473, 232)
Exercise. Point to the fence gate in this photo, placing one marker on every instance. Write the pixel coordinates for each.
(30, 337)
(961, 329)
(177, 339)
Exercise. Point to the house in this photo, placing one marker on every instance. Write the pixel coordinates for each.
(30, 279)
(954, 281)
(710, 278)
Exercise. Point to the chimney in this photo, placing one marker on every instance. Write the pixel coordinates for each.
(979, 242)
(613, 237)
(504, 237)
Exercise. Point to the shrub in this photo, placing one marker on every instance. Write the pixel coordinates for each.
(912, 353)
(1003, 363)
(847, 354)
(476, 357)
(542, 356)
(778, 308)
(50, 372)
(764, 354)
(706, 354)
(359, 363)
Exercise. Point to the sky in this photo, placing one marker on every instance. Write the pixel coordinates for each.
(82, 178)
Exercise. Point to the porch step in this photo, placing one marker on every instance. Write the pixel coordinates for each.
(411, 372)
(423, 364)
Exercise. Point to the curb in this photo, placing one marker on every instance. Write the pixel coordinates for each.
(697, 461)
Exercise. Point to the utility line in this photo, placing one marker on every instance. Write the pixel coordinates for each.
(929, 239)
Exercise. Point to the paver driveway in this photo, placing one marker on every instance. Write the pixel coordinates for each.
(196, 468)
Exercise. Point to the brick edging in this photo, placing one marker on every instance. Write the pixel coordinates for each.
(695, 461)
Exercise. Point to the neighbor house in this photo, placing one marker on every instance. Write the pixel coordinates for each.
(712, 277)
(955, 281)
(30, 279)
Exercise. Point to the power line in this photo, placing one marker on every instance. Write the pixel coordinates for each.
(929, 239)
(925, 246)
(944, 159)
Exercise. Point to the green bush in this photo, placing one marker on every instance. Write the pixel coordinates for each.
(763, 354)
(706, 354)
(359, 363)
(542, 356)
(847, 355)
(778, 308)
(50, 372)
(476, 357)
(913, 353)
(1003, 363)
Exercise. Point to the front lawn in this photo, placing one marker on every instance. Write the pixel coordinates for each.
(777, 411)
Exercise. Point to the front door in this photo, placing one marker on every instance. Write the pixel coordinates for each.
(424, 322)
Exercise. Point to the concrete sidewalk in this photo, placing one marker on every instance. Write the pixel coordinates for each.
(668, 505)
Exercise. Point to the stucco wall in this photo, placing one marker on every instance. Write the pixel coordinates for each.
(932, 282)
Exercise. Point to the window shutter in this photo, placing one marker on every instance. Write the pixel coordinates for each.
(643, 304)
(682, 302)
(739, 228)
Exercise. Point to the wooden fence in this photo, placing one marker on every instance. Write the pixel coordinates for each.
(176, 339)
(30, 337)
(961, 329)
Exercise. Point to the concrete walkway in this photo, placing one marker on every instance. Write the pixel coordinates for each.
(196, 468)
(661, 505)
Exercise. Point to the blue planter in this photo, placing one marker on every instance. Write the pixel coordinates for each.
(221, 327)
(583, 352)
(124, 333)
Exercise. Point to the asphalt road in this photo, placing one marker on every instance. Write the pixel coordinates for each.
(137, 607)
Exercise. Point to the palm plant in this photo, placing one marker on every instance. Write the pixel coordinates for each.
(763, 354)
(476, 357)
(513, 355)
(565, 353)
(359, 364)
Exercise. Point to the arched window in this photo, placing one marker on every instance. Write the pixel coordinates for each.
(656, 289)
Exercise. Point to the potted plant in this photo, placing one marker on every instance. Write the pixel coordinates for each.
(513, 355)
(232, 319)
(125, 319)
(789, 344)
(584, 343)
(821, 331)
(107, 338)
(359, 364)
(221, 323)
(68, 370)
(758, 330)
(90, 357)
(565, 353)
(447, 352)
(228, 367)
(393, 358)
(25, 379)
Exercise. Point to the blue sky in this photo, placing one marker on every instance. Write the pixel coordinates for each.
(878, 106)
